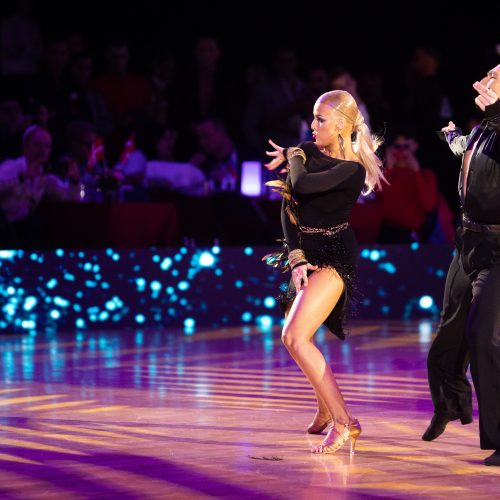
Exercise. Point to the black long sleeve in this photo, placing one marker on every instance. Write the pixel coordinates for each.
(317, 182)
(290, 230)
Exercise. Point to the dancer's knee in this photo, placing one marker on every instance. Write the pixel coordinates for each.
(291, 338)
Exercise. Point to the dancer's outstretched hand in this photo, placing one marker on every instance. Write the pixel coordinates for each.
(277, 155)
(299, 275)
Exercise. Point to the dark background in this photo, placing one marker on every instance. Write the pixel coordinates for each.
(376, 37)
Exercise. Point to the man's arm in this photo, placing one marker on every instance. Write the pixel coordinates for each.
(455, 139)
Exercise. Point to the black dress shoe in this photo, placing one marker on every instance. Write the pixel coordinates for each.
(440, 421)
(493, 459)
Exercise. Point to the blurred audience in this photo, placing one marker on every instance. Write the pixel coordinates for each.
(218, 157)
(186, 126)
(409, 197)
(123, 91)
(276, 108)
(78, 101)
(23, 184)
(151, 164)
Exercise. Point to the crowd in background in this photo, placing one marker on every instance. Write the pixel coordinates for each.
(82, 126)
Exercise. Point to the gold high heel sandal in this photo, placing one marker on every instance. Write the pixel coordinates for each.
(351, 431)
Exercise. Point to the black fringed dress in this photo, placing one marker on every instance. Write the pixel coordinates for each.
(323, 192)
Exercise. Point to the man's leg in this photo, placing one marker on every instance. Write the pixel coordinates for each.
(448, 357)
(483, 336)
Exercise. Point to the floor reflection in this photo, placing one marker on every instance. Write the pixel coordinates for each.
(103, 413)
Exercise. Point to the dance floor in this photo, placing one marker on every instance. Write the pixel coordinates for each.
(222, 414)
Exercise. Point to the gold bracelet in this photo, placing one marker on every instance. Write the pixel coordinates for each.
(292, 152)
(296, 256)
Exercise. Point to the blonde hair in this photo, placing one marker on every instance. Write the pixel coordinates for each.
(365, 144)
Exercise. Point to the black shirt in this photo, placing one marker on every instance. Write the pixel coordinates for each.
(325, 188)
(481, 201)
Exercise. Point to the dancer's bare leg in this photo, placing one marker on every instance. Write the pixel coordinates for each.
(323, 416)
(310, 308)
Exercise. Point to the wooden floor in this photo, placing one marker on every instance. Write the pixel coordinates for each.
(159, 414)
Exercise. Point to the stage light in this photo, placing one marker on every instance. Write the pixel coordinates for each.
(155, 286)
(206, 259)
(110, 305)
(265, 321)
(167, 262)
(269, 302)
(30, 303)
(426, 302)
(189, 323)
(52, 283)
(246, 316)
(59, 301)
(388, 267)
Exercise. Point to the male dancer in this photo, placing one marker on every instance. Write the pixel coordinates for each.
(469, 330)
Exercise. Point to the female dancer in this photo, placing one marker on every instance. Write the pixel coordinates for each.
(325, 179)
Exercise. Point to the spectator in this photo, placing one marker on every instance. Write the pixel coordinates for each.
(123, 92)
(218, 157)
(23, 183)
(411, 194)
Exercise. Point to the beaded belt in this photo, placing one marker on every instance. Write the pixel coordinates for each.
(326, 231)
(480, 228)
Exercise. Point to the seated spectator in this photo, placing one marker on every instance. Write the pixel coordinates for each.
(150, 163)
(410, 196)
(23, 183)
(218, 157)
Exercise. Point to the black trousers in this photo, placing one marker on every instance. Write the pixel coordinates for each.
(469, 332)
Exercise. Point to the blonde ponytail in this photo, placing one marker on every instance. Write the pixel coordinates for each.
(365, 147)
(365, 144)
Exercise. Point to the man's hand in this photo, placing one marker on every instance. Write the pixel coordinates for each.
(451, 126)
(486, 96)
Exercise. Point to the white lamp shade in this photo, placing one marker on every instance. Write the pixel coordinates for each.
(251, 178)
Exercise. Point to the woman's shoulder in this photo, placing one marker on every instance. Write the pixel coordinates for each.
(354, 165)
(309, 148)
